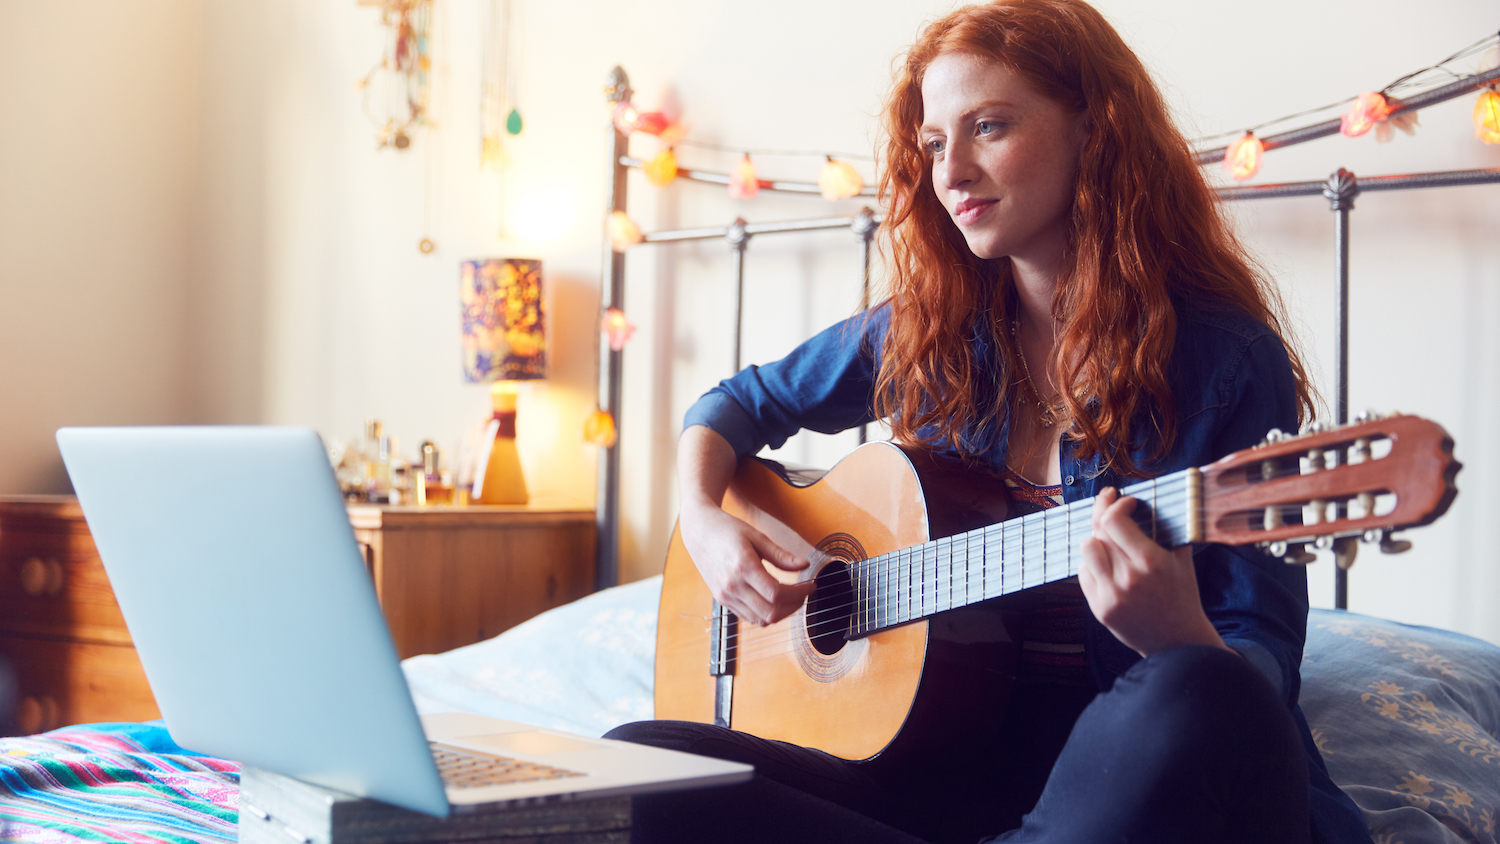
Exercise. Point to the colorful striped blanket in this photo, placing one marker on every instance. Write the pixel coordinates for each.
(114, 782)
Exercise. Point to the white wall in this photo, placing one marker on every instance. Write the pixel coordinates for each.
(254, 257)
(97, 181)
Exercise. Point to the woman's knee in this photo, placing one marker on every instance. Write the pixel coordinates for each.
(673, 735)
(1207, 697)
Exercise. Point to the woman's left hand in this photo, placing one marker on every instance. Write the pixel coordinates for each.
(1146, 595)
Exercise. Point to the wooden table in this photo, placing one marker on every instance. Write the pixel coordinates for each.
(452, 576)
(446, 577)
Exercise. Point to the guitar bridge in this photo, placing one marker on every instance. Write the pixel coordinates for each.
(723, 628)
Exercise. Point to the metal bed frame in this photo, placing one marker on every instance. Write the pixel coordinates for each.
(1340, 189)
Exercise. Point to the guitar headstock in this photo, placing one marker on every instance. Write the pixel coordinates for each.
(1365, 480)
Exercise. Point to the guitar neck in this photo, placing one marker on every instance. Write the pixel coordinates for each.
(1000, 559)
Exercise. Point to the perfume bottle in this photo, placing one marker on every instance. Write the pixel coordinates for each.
(369, 457)
(497, 473)
(380, 473)
(429, 485)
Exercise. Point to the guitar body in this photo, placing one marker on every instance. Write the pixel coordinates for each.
(922, 687)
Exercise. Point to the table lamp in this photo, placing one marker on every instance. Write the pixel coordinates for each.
(504, 343)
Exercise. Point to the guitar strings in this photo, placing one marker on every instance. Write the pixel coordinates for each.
(931, 553)
(921, 602)
(900, 568)
(1056, 523)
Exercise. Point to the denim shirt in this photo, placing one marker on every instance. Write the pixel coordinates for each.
(1232, 383)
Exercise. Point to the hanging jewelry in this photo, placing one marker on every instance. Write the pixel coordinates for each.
(399, 82)
(499, 116)
(1046, 414)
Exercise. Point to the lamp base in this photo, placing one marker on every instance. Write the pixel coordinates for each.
(499, 479)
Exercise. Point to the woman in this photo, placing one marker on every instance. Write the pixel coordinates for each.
(1068, 311)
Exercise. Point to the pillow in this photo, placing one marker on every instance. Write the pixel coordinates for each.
(1407, 719)
(585, 667)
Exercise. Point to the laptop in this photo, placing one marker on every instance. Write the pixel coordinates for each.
(234, 563)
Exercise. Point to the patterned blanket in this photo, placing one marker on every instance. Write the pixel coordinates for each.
(114, 782)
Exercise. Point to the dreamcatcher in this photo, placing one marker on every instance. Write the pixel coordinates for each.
(396, 89)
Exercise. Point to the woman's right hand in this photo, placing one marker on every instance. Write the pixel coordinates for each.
(728, 553)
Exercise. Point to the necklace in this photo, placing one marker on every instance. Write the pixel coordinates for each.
(1046, 412)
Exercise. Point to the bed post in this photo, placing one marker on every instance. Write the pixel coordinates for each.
(607, 514)
(738, 237)
(864, 227)
(1341, 190)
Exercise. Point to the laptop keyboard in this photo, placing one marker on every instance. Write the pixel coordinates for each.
(461, 768)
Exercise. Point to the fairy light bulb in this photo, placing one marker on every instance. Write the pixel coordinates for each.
(625, 117)
(616, 328)
(839, 179)
(742, 181)
(1369, 108)
(1487, 117)
(623, 232)
(662, 169)
(599, 429)
(1243, 156)
(652, 122)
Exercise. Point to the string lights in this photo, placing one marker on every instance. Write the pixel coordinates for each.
(1487, 117)
(662, 169)
(623, 232)
(1377, 110)
(1380, 111)
(599, 429)
(742, 181)
(617, 329)
(1242, 157)
(1369, 108)
(839, 179)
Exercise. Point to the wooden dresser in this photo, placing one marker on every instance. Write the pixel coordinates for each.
(59, 625)
(446, 577)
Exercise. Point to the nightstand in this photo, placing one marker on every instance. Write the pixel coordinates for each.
(453, 576)
(446, 577)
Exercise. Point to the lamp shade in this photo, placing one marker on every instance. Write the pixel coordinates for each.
(503, 320)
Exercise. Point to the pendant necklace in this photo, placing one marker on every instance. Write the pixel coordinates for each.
(1046, 413)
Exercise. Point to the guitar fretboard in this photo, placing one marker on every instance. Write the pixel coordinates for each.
(1000, 559)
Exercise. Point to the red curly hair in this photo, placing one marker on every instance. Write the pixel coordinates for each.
(1130, 249)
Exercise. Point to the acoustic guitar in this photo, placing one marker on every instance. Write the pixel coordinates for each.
(906, 642)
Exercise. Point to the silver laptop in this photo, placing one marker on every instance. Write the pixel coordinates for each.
(231, 555)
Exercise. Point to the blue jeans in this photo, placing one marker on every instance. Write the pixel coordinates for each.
(1191, 745)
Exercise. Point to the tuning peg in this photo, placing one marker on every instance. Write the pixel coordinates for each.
(1388, 543)
(1313, 426)
(1274, 435)
(1366, 416)
(1296, 555)
(1323, 543)
(1345, 549)
(1391, 545)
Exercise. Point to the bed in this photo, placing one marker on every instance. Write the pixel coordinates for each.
(1407, 718)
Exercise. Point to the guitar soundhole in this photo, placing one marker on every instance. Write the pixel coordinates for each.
(823, 650)
(828, 608)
